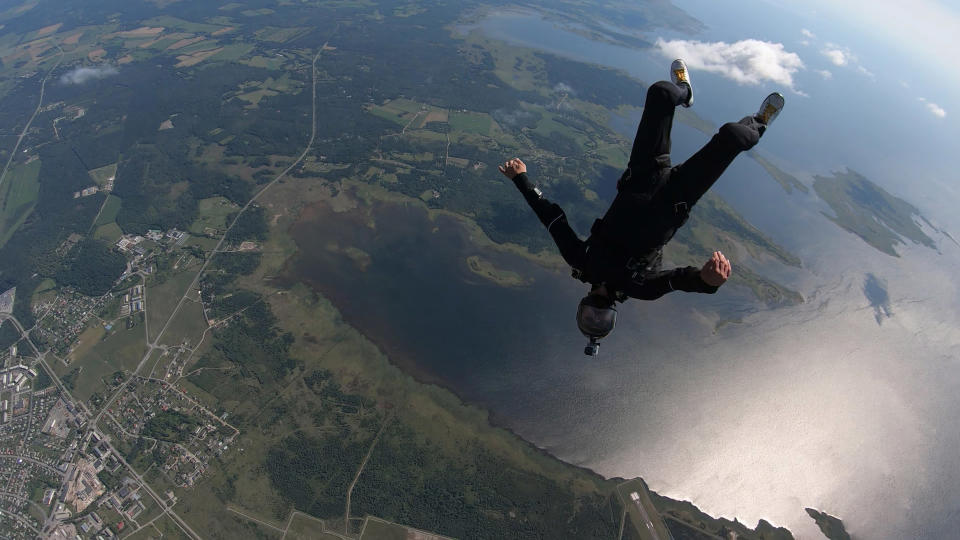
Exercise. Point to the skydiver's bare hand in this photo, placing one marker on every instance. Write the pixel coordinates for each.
(512, 168)
(716, 271)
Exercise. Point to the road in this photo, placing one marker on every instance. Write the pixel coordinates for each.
(34, 461)
(193, 284)
(154, 345)
(151, 346)
(346, 517)
(43, 87)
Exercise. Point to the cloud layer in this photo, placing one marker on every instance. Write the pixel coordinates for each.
(748, 61)
(82, 75)
(934, 109)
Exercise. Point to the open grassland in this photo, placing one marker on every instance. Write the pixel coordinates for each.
(18, 195)
(276, 34)
(188, 326)
(253, 92)
(110, 209)
(88, 339)
(212, 215)
(401, 111)
(120, 350)
(181, 25)
(162, 298)
(45, 292)
(257, 12)
(375, 529)
(163, 527)
(471, 122)
(103, 174)
(110, 233)
(271, 63)
(518, 67)
(305, 527)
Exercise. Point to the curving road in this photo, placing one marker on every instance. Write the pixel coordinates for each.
(43, 87)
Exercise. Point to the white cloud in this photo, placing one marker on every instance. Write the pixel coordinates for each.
(840, 56)
(843, 56)
(825, 73)
(934, 109)
(82, 75)
(808, 34)
(749, 61)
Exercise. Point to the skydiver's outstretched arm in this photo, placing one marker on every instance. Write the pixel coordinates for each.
(707, 279)
(572, 248)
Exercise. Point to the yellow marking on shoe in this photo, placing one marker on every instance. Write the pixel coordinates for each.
(768, 111)
(681, 75)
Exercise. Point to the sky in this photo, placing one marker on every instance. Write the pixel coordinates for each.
(868, 86)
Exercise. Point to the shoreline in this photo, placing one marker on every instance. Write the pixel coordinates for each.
(404, 362)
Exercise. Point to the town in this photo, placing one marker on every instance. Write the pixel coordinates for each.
(69, 466)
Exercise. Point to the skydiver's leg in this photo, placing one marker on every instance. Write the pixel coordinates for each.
(653, 134)
(571, 247)
(691, 179)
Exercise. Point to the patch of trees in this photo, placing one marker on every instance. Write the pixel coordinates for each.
(170, 426)
(8, 335)
(254, 343)
(91, 267)
(475, 495)
(237, 262)
(601, 85)
(252, 225)
(413, 481)
(70, 378)
(314, 474)
(322, 384)
(42, 380)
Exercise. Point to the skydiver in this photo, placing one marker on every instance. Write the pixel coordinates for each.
(622, 258)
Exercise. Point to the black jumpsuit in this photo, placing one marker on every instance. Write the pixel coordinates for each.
(625, 247)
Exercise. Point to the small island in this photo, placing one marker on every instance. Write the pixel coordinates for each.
(868, 211)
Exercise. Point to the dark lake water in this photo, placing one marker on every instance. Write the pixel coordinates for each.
(817, 405)
(417, 299)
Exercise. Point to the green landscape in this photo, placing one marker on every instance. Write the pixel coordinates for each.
(268, 107)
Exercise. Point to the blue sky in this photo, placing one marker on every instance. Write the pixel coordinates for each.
(870, 85)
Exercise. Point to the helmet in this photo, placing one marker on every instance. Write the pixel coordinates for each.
(596, 318)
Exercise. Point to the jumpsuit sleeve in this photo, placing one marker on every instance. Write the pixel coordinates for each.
(572, 248)
(656, 284)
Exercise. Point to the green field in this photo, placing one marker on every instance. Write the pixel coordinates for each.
(189, 325)
(121, 349)
(18, 194)
(163, 527)
(233, 52)
(271, 63)
(163, 299)
(111, 207)
(173, 23)
(471, 122)
(305, 527)
(277, 34)
(110, 232)
(212, 214)
(103, 174)
(257, 12)
(375, 529)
